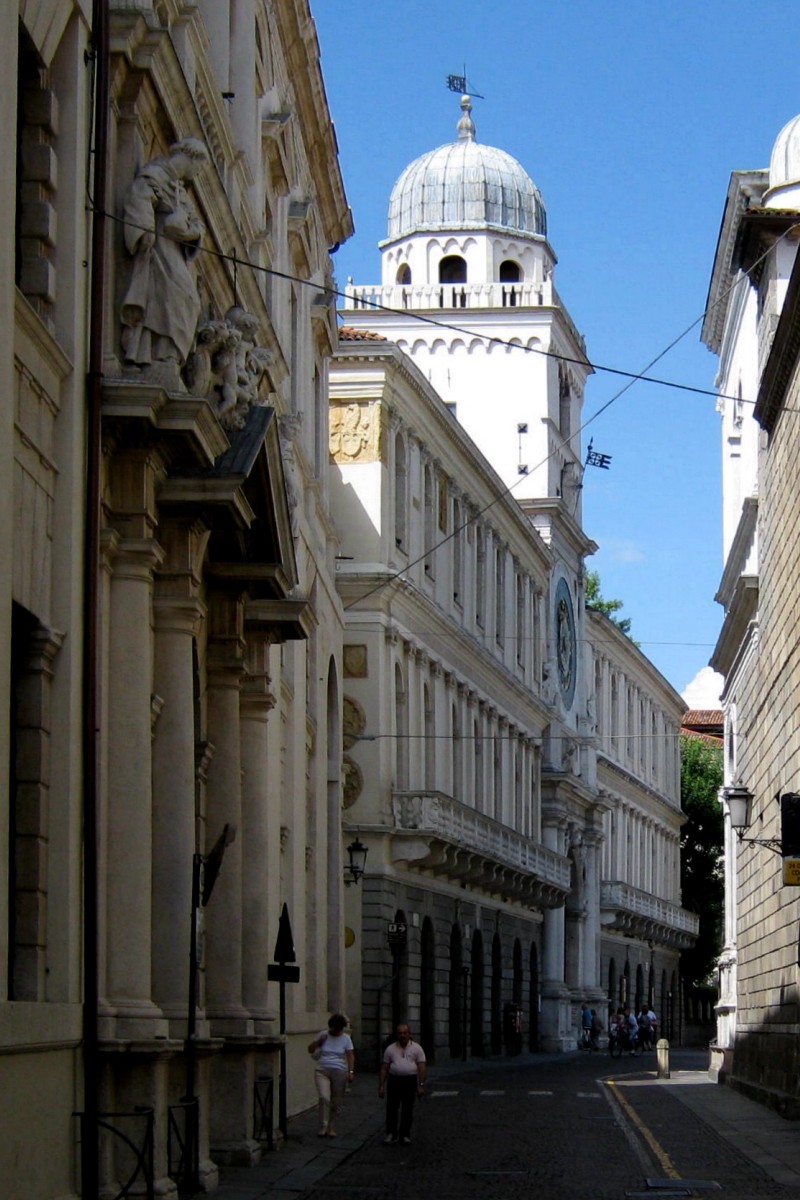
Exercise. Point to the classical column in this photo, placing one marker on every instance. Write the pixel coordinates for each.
(590, 965)
(130, 803)
(554, 1025)
(177, 621)
(233, 1071)
(223, 916)
(256, 702)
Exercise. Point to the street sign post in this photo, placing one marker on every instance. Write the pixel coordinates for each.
(282, 972)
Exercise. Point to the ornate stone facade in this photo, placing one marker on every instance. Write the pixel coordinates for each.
(214, 746)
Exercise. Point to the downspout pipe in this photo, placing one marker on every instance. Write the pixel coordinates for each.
(90, 1167)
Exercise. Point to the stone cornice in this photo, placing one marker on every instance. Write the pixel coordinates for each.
(744, 186)
(739, 553)
(782, 361)
(741, 610)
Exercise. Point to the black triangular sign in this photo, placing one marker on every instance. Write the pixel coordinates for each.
(284, 943)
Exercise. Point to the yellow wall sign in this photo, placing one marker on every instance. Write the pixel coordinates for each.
(791, 871)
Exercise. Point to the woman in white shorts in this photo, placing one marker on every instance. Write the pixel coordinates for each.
(335, 1067)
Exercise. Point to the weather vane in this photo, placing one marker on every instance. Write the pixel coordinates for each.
(459, 83)
(595, 459)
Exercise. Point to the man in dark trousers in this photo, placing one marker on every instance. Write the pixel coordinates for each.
(401, 1080)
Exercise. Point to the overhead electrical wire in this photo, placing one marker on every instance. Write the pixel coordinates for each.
(631, 376)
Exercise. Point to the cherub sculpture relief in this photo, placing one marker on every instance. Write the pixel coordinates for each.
(228, 365)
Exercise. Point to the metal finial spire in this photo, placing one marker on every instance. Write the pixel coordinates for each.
(466, 125)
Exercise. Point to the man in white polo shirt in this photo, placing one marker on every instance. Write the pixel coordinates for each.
(401, 1080)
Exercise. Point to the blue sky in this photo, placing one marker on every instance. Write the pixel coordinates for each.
(630, 118)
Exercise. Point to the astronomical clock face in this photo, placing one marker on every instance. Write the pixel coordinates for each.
(566, 645)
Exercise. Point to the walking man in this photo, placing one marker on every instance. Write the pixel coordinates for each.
(401, 1080)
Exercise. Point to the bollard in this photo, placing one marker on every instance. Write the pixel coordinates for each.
(662, 1053)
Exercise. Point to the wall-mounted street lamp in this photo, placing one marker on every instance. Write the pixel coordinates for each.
(356, 862)
(740, 808)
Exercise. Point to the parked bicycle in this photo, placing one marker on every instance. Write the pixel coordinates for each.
(621, 1042)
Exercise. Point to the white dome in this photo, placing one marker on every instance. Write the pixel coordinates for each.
(784, 168)
(465, 185)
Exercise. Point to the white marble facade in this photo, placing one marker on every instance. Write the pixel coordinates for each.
(217, 648)
(474, 672)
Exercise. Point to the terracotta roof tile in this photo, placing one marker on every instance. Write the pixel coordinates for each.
(348, 334)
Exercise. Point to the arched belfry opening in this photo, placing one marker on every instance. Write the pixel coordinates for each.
(453, 269)
(510, 272)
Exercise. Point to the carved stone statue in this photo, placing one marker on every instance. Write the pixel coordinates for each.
(162, 233)
(228, 365)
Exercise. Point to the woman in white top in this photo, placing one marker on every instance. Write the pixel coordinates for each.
(336, 1060)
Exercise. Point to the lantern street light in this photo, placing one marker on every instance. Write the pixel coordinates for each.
(356, 862)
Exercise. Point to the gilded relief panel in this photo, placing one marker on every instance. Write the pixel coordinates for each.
(357, 433)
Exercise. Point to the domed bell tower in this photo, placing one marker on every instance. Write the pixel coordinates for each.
(468, 271)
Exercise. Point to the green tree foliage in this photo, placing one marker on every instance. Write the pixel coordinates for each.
(702, 880)
(596, 601)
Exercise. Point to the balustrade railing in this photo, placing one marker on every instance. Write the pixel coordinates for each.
(445, 817)
(451, 295)
(626, 898)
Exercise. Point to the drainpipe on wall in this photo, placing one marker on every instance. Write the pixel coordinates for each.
(90, 1173)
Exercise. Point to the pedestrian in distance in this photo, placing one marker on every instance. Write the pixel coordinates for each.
(333, 1053)
(645, 1030)
(401, 1080)
(586, 1026)
(596, 1030)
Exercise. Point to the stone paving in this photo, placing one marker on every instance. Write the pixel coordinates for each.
(549, 1126)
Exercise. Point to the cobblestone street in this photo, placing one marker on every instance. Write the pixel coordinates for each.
(573, 1128)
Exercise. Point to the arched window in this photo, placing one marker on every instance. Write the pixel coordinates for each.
(480, 575)
(497, 995)
(453, 269)
(456, 995)
(516, 986)
(533, 999)
(400, 976)
(400, 492)
(427, 998)
(478, 798)
(510, 272)
(401, 730)
(428, 522)
(458, 553)
(404, 274)
(612, 984)
(430, 740)
(499, 593)
(520, 619)
(457, 755)
(476, 996)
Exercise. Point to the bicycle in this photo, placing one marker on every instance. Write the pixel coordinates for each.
(620, 1040)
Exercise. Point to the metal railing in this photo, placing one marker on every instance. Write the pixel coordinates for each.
(264, 1111)
(131, 1155)
(183, 1146)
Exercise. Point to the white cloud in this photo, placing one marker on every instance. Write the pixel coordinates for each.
(622, 551)
(704, 690)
